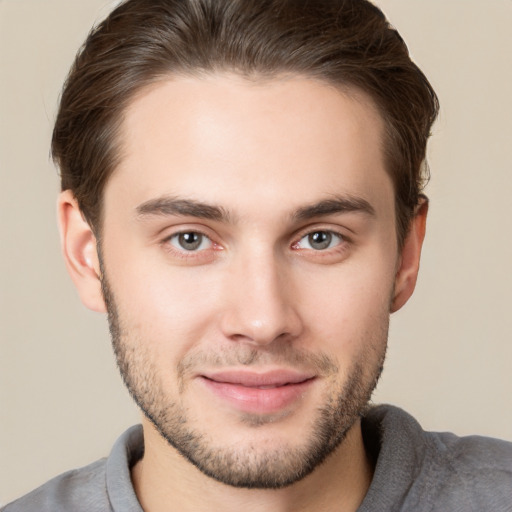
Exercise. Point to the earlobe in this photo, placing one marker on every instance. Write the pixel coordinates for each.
(409, 263)
(79, 248)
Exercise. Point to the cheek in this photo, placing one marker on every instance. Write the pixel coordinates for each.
(171, 308)
(348, 307)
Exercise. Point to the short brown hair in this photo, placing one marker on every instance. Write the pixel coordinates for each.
(348, 43)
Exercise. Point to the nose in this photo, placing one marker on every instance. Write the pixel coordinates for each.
(260, 302)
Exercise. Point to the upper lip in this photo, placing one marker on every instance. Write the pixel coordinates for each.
(278, 377)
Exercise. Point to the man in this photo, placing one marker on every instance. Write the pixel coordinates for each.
(242, 194)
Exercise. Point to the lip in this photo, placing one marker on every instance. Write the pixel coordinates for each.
(258, 392)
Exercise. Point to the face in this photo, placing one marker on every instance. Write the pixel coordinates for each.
(249, 259)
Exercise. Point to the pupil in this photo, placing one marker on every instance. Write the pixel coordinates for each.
(190, 241)
(320, 240)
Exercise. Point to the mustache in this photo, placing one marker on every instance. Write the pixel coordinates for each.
(281, 354)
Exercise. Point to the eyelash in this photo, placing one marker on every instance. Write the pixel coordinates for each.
(183, 254)
(342, 239)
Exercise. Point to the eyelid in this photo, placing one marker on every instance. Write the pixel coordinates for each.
(332, 255)
(310, 229)
(198, 256)
(336, 237)
(178, 229)
(204, 238)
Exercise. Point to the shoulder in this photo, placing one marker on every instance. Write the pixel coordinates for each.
(103, 486)
(475, 468)
(473, 452)
(79, 489)
(430, 471)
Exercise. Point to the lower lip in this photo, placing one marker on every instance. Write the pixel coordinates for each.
(257, 400)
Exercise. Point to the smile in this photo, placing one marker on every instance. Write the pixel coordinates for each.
(258, 393)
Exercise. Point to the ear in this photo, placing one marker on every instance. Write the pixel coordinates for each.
(409, 262)
(79, 249)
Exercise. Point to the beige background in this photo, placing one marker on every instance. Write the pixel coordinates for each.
(450, 359)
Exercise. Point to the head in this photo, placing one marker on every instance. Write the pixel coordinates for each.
(346, 43)
(241, 192)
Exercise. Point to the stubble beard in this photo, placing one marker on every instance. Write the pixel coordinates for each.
(250, 466)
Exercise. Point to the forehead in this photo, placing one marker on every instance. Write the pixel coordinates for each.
(279, 143)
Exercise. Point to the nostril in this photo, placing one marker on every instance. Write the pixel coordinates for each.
(260, 314)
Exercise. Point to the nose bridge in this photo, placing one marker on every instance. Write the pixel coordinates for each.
(261, 306)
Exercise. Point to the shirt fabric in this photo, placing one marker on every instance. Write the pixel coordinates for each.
(415, 471)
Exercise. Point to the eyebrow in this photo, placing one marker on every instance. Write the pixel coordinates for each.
(163, 206)
(339, 204)
(166, 206)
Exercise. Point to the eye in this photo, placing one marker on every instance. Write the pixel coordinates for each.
(319, 240)
(190, 241)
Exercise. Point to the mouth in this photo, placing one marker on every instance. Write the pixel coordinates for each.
(258, 393)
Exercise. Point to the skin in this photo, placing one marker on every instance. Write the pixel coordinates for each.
(258, 295)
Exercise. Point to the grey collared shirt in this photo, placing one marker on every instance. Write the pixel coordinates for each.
(416, 471)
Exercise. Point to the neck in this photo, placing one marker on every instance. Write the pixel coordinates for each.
(165, 481)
